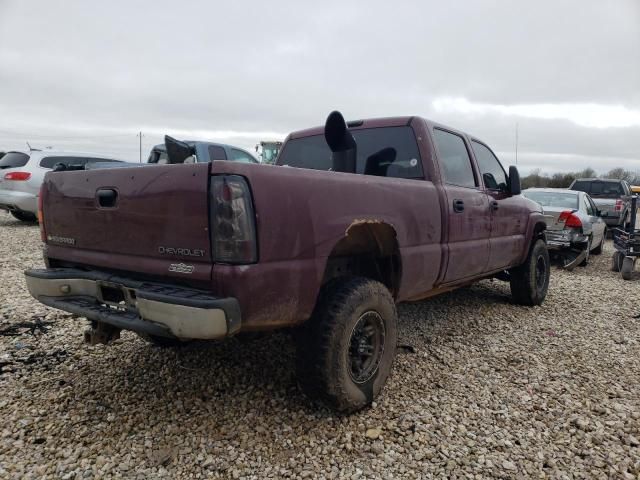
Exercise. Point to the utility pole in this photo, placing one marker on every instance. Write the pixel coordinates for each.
(516, 143)
(140, 137)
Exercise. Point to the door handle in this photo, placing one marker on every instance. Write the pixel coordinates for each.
(494, 205)
(107, 197)
(458, 205)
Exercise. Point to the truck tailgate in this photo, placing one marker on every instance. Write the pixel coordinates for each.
(151, 220)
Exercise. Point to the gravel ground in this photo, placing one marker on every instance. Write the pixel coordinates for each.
(482, 388)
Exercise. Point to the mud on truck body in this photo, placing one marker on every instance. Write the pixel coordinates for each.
(366, 215)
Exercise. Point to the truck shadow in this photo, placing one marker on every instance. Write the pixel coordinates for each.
(252, 378)
(7, 220)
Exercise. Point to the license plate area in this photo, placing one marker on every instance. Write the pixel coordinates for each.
(116, 296)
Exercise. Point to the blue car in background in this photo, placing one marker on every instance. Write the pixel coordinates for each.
(204, 152)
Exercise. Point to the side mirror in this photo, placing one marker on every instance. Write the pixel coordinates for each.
(514, 181)
(177, 151)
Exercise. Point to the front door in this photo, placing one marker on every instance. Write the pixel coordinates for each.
(508, 213)
(468, 219)
(469, 228)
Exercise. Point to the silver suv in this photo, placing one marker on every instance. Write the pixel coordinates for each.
(22, 174)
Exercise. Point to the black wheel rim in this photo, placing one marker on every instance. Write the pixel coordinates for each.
(366, 346)
(541, 272)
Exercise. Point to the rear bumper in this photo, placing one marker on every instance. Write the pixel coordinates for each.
(154, 309)
(16, 200)
(561, 239)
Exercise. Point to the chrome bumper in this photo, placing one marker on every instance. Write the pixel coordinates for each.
(154, 309)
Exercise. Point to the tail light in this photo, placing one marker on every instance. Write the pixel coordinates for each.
(19, 176)
(43, 233)
(570, 219)
(233, 231)
(619, 205)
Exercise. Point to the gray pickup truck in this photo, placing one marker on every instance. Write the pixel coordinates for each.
(203, 152)
(612, 198)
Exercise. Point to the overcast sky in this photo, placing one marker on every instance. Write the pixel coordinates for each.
(89, 75)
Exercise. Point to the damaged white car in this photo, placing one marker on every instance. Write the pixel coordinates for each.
(574, 227)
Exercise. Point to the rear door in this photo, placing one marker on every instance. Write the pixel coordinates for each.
(508, 214)
(598, 226)
(152, 219)
(468, 221)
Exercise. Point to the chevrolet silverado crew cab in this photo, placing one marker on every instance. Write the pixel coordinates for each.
(353, 219)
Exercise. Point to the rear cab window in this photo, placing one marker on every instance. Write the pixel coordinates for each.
(14, 160)
(600, 188)
(382, 151)
(553, 199)
(50, 162)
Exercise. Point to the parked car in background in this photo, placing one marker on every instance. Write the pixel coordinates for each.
(612, 197)
(204, 152)
(366, 215)
(22, 173)
(574, 226)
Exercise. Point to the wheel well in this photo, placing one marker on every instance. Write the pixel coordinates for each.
(368, 249)
(538, 230)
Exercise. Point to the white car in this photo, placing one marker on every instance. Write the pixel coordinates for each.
(22, 174)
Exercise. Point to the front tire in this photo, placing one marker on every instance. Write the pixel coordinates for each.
(585, 262)
(26, 217)
(346, 350)
(530, 281)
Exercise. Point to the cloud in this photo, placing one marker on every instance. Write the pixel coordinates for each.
(245, 70)
(590, 115)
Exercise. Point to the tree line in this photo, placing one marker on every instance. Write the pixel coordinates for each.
(562, 180)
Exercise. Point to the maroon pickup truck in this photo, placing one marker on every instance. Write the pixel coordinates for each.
(354, 218)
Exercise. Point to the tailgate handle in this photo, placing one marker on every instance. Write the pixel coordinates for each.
(107, 197)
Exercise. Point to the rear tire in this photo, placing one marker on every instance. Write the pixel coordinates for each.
(346, 350)
(530, 281)
(616, 261)
(585, 262)
(26, 217)
(627, 267)
(598, 249)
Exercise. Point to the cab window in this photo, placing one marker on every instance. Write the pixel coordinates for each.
(240, 156)
(493, 175)
(216, 153)
(454, 159)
